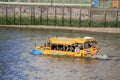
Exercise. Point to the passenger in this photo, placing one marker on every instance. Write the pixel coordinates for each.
(77, 49)
(81, 47)
(93, 45)
(67, 48)
(89, 45)
(72, 48)
(60, 47)
(54, 47)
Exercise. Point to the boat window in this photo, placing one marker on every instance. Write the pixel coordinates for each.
(54, 47)
(80, 46)
(72, 48)
(57, 47)
(60, 47)
(90, 44)
(69, 48)
(87, 45)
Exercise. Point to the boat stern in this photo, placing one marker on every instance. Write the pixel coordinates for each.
(37, 52)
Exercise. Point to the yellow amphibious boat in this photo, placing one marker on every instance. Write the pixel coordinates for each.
(77, 47)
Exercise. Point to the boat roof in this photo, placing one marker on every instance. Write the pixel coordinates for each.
(65, 41)
(85, 39)
(70, 41)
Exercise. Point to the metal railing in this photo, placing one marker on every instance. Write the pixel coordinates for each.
(79, 3)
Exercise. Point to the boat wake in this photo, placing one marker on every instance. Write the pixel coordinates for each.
(106, 57)
(113, 58)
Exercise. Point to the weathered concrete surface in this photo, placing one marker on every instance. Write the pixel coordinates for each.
(91, 29)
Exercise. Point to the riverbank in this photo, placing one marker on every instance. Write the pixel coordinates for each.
(90, 29)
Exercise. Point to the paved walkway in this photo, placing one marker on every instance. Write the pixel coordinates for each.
(104, 30)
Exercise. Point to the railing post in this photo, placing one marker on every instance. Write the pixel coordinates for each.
(90, 17)
(31, 15)
(55, 17)
(63, 15)
(70, 16)
(14, 15)
(117, 18)
(80, 17)
(6, 15)
(47, 15)
(20, 15)
(41, 15)
(105, 18)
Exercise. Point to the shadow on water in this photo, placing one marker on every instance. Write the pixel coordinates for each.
(80, 60)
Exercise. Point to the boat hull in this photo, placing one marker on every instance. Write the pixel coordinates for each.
(64, 53)
(56, 52)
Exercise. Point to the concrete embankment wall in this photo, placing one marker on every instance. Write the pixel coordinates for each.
(58, 16)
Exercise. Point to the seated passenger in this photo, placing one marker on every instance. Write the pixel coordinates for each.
(72, 48)
(54, 47)
(67, 48)
(77, 49)
(81, 47)
(93, 45)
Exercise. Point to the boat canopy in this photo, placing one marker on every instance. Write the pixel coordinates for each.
(85, 39)
(70, 41)
(63, 41)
